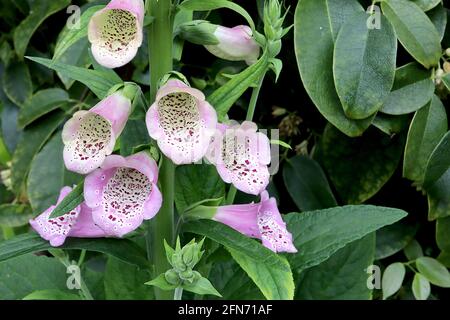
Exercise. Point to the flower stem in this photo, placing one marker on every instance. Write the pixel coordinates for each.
(178, 294)
(160, 40)
(250, 114)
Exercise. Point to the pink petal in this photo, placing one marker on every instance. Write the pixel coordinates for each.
(242, 218)
(85, 226)
(153, 204)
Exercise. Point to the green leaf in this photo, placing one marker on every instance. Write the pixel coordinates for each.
(134, 134)
(392, 279)
(362, 79)
(434, 271)
(51, 294)
(41, 10)
(223, 98)
(126, 282)
(98, 81)
(439, 161)
(270, 272)
(438, 16)
(17, 83)
(31, 141)
(319, 234)
(443, 234)
(71, 36)
(392, 239)
(439, 197)
(161, 283)
(359, 167)
(427, 128)
(41, 103)
(76, 55)
(70, 202)
(201, 286)
(24, 275)
(317, 24)
(421, 287)
(307, 184)
(391, 125)
(426, 5)
(125, 250)
(446, 80)
(15, 215)
(342, 276)
(413, 88)
(413, 250)
(414, 30)
(48, 175)
(195, 183)
(208, 5)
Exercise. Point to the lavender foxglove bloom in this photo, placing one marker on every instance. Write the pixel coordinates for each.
(241, 156)
(235, 44)
(182, 122)
(78, 223)
(123, 193)
(257, 220)
(91, 135)
(116, 32)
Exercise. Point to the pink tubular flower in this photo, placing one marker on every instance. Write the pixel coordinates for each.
(241, 156)
(123, 193)
(235, 44)
(257, 220)
(116, 32)
(91, 135)
(78, 223)
(182, 122)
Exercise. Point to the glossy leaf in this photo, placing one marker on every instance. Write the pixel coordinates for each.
(362, 79)
(414, 30)
(307, 184)
(426, 130)
(392, 239)
(317, 24)
(438, 15)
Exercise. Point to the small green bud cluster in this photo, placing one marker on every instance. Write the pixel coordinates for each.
(183, 260)
(273, 26)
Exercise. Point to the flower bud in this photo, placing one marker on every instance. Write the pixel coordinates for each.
(198, 32)
(177, 262)
(447, 67)
(187, 275)
(447, 52)
(172, 277)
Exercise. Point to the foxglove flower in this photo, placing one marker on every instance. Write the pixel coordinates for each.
(235, 44)
(257, 220)
(91, 135)
(123, 193)
(78, 223)
(241, 156)
(182, 122)
(116, 32)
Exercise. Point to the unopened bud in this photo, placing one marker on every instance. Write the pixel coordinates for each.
(198, 32)
(172, 277)
(447, 67)
(447, 52)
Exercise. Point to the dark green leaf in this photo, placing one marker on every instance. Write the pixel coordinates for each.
(359, 167)
(307, 184)
(342, 276)
(438, 16)
(70, 202)
(14, 215)
(413, 250)
(319, 234)
(439, 161)
(391, 124)
(51, 294)
(439, 197)
(17, 83)
(362, 79)
(41, 103)
(32, 140)
(443, 234)
(317, 24)
(414, 30)
(392, 239)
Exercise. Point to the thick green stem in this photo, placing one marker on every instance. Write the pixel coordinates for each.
(250, 113)
(178, 295)
(160, 40)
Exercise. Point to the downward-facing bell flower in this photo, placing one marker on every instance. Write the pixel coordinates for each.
(116, 32)
(235, 44)
(77, 223)
(91, 135)
(182, 122)
(257, 220)
(123, 193)
(241, 156)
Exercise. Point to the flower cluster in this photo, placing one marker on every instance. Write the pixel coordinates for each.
(120, 193)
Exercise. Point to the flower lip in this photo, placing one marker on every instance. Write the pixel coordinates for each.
(182, 122)
(123, 193)
(241, 156)
(116, 32)
(89, 136)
